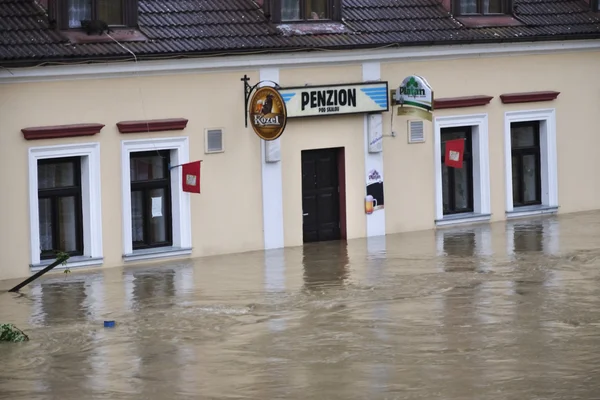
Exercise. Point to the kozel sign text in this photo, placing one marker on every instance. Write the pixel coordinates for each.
(268, 114)
(310, 101)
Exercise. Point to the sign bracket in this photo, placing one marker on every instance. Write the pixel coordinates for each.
(248, 89)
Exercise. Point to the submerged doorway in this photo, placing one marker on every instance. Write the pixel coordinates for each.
(323, 195)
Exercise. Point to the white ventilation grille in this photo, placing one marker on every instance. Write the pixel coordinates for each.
(213, 141)
(416, 132)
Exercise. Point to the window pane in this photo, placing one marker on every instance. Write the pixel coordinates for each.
(492, 7)
(147, 168)
(55, 175)
(522, 136)
(111, 11)
(445, 189)
(468, 6)
(45, 213)
(78, 10)
(316, 9)
(67, 224)
(461, 188)
(516, 178)
(530, 182)
(137, 216)
(159, 217)
(290, 10)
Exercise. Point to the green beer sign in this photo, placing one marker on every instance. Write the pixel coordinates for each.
(415, 92)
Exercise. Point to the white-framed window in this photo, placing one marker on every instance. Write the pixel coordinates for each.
(462, 194)
(531, 176)
(65, 204)
(156, 236)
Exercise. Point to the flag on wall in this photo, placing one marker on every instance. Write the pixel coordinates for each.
(191, 177)
(454, 152)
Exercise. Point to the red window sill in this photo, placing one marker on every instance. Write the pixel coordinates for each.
(484, 21)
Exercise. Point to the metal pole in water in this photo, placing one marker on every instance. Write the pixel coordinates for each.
(32, 278)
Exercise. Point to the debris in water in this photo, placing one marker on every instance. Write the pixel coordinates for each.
(10, 333)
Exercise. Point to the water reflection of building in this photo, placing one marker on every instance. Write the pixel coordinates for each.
(325, 264)
(537, 235)
(461, 254)
(464, 250)
(75, 299)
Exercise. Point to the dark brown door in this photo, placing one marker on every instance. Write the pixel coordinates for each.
(320, 195)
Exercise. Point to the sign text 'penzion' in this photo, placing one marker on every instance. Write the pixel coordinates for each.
(308, 101)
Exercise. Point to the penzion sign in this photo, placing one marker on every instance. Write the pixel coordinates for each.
(309, 101)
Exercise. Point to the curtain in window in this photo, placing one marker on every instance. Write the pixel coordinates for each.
(67, 223)
(78, 10)
(137, 216)
(468, 7)
(45, 206)
(290, 10)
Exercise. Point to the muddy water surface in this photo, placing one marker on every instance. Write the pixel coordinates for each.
(507, 311)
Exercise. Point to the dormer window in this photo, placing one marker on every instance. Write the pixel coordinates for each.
(482, 7)
(109, 11)
(115, 13)
(301, 10)
(292, 11)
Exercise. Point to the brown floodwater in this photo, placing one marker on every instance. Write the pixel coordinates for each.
(501, 311)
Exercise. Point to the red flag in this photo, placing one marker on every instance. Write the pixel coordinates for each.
(191, 177)
(454, 153)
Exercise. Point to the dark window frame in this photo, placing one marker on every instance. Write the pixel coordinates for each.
(595, 5)
(273, 8)
(58, 10)
(54, 194)
(521, 152)
(468, 163)
(507, 9)
(145, 187)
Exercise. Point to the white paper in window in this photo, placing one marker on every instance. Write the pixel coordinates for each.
(156, 207)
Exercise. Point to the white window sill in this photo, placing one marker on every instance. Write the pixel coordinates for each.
(527, 211)
(463, 218)
(73, 263)
(157, 252)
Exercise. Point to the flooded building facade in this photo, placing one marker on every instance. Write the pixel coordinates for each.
(93, 143)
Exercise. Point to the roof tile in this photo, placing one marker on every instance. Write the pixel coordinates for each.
(196, 26)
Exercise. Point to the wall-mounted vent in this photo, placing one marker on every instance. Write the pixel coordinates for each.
(416, 132)
(213, 141)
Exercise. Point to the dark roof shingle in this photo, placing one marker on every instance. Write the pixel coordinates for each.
(203, 26)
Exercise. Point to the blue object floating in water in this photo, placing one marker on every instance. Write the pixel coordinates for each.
(109, 324)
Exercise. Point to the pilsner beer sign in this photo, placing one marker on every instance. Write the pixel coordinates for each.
(268, 113)
(309, 101)
(415, 97)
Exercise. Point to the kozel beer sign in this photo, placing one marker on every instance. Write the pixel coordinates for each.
(268, 113)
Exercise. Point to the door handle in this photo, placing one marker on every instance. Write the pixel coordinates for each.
(305, 214)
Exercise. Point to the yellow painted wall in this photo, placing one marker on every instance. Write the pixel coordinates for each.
(409, 169)
(220, 223)
(227, 216)
(322, 132)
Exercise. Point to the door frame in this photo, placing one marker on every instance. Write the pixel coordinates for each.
(341, 166)
(340, 153)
